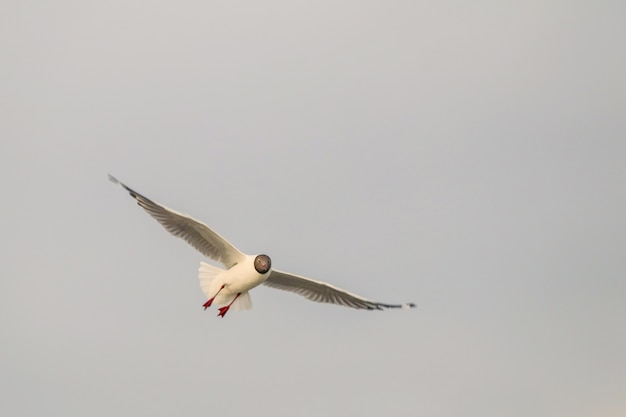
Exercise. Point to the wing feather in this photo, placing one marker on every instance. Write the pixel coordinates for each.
(196, 233)
(323, 292)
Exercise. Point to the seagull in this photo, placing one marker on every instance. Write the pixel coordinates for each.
(229, 287)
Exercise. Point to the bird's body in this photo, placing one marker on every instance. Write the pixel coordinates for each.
(229, 286)
(239, 279)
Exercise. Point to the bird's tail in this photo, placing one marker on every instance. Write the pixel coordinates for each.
(207, 274)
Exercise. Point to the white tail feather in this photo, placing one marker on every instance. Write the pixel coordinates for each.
(207, 274)
(243, 302)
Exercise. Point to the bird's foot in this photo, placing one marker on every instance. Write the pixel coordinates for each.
(223, 311)
(208, 303)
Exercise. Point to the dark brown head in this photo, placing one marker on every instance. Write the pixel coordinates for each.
(262, 264)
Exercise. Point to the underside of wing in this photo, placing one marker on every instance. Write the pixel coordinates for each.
(196, 233)
(324, 293)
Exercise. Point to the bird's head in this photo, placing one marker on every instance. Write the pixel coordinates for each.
(262, 264)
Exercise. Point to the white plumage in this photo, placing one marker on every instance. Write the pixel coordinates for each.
(229, 286)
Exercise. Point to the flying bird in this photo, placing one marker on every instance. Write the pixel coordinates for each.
(229, 287)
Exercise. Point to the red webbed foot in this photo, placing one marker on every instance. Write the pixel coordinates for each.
(208, 303)
(223, 311)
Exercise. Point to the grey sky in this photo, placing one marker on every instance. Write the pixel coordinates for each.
(468, 158)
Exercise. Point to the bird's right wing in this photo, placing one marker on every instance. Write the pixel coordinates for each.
(324, 293)
(196, 233)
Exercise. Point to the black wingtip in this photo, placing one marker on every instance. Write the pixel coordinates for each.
(404, 306)
(114, 180)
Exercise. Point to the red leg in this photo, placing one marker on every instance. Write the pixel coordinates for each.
(224, 309)
(208, 303)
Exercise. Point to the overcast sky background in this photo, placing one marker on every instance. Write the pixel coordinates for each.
(470, 159)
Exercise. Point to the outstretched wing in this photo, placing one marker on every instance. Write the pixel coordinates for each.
(324, 293)
(196, 233)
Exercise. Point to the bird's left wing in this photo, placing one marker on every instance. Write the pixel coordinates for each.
(196, 233)
(324, 293)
